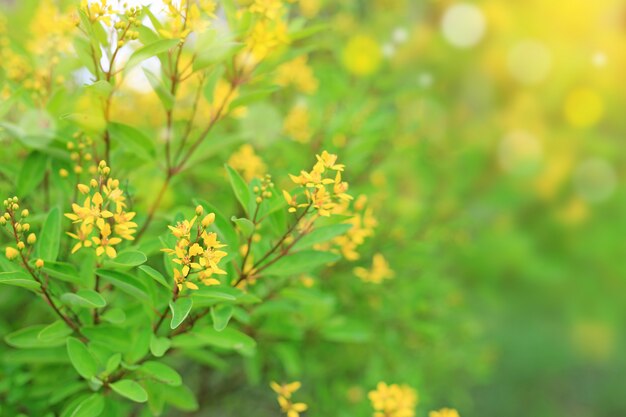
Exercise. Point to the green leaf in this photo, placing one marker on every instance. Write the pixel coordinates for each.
(19, 279)
(245, 225)
(50, 236)
(211, 82)
(114, 315)
(161, 372)
(125, 282)
(113, 363)
(229, 338)
(91, 406)
(131, 390)
(63, 271)
(321, 235)
(155, 275)
(240, 188)
(221, 315)
(159, 345)
(150, 50)
(214, 292)
(84, 298)
(32, 173)
(166, 97)
(343, 330)
(129, 258)
(28, 338)
(57, 330)
(181, 397)
(81, 358)
(300, 262)
(180, 311)
(134, 140)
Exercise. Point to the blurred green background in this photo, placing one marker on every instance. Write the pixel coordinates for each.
(488, 136)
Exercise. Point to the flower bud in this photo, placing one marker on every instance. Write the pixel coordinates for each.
(21, 245)
(11, 253)
(199, 210)
(39, 263)
(31, 239)
(3, 221)
(25, 213)
(259, 200)
(82, 188)
(208, 220)
(26, 227)
(63, 173)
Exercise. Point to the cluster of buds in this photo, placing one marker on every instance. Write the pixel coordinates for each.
(265, 190)
(20, 229)
(196, 253)
(80, 154)
(284, 392)
(123, 27)
(102, 221)
(321, 190)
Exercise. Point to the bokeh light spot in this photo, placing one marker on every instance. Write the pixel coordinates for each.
(362, 55)
(463, 25)
(529, 62)
(519, 153)
(583, 107)
(595, 180)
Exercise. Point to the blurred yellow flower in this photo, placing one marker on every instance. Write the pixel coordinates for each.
(444, 412)
(379, 272)
(393, 400)
(362, 55)
(298, 74)
(246, 161)
(297, 124)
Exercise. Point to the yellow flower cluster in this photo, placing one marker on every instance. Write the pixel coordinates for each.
(379, 272)
(198, 255)
(20, 230)
(246, 161)
(97, 11)
(322, 192)
(186, 16)
(393, 400)
(363, 222)
(269, 30)
(102, 221)
(298, 74)
(297, 124)
(284, 398)
(444, 412)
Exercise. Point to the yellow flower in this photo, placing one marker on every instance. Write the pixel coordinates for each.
(291, 409)
(297, 124)
(247, 162)
(196, 251)
(104, 207)
(362, 55)
(269, 9)
(285, 390)
(104, 243)
(379, 272)
(393, 400)
(444, 412)
(298, 74)
(265, 37)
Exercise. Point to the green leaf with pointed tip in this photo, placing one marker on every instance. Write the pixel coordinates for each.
(63, 271)
(125, 282)
(130, 389)
(180, 310)
(240, 188)
(221, 315)
(215, 292)
(245, 225)
(18, 279)
(84, 298)
(161, 372)
(155, 275)
(321, 235)
(57, 330)
(91, 406)
(159, 345)
(114, 315)
(82, 360)
(148, 51)
(300, 262)
(28, 338)
(129, 258)
(32, 173)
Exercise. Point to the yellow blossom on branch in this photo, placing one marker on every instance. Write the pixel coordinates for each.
(298, 74)
(102, 220)
(285, 391)
(379, 272)
(247, 162)
(196, 253)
